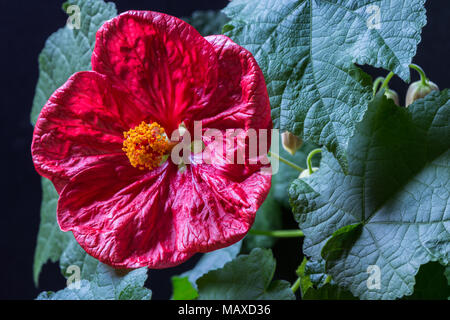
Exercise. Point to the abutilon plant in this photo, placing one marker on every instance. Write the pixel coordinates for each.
(125, 189)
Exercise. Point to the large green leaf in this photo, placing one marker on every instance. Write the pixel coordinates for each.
(307, 50)
(68, 51)
(397, 192)
(431, 283)
(248, 277)
(51, 241)
(98, 281)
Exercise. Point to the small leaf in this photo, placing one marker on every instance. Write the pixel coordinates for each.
(183, 289)
(341, 241)
(305, 281)
(328, 292)
(248, 277)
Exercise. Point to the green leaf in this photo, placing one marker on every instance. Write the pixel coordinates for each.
(68, 51)
(305, 281)
(98, 281)
(183, 289)
(74, 255)
(307, 50)
(315, 271)
(397, 188)
(106, 285)
(328, 292)
(268, 217)
(51, 241)
(207, 22)
(248, 277)
(340, 241)
(316, 285)
(431, 283)
(211, 261)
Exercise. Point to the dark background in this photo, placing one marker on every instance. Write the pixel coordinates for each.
(24, 27)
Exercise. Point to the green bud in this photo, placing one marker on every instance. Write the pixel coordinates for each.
(391, 94)
(305, 173)
(418, 90)
(291, 143)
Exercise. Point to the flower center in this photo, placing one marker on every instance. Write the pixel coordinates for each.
(146, 145)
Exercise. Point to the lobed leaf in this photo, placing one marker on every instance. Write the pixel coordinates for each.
(396, 191)
(308, 49)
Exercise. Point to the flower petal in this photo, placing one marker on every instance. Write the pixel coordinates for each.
(121, 218)
(241, 99)
(82, 124)
(216, 209)
(161, 60)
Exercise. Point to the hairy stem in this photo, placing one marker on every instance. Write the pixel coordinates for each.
(289, 163)
(278, 233)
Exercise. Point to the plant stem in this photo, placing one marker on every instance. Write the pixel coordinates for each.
(309, 159)
(386, 81)
(289, 163)
(376, 83)
(423, 77)
(296, 285)
(278, 233)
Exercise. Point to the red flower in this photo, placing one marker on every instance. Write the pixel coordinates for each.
(100, 140)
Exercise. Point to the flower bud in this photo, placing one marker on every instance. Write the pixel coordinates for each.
(391, 94)
(291, 143)
(305, 173)
(418, 90)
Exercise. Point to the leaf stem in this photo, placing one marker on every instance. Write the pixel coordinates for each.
(386, 80)
(423, 77)
(278, 233)
(296, 285)
(376, 83)
(309, 159)
(289, 163)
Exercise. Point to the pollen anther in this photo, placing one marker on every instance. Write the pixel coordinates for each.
(146, 145)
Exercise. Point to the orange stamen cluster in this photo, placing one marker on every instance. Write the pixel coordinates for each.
(146, 145)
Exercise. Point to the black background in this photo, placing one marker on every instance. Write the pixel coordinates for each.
(25, 25)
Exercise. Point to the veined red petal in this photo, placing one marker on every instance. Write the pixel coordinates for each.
(241, 99)
(123, 218)
(82, 124)
(162, 61)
